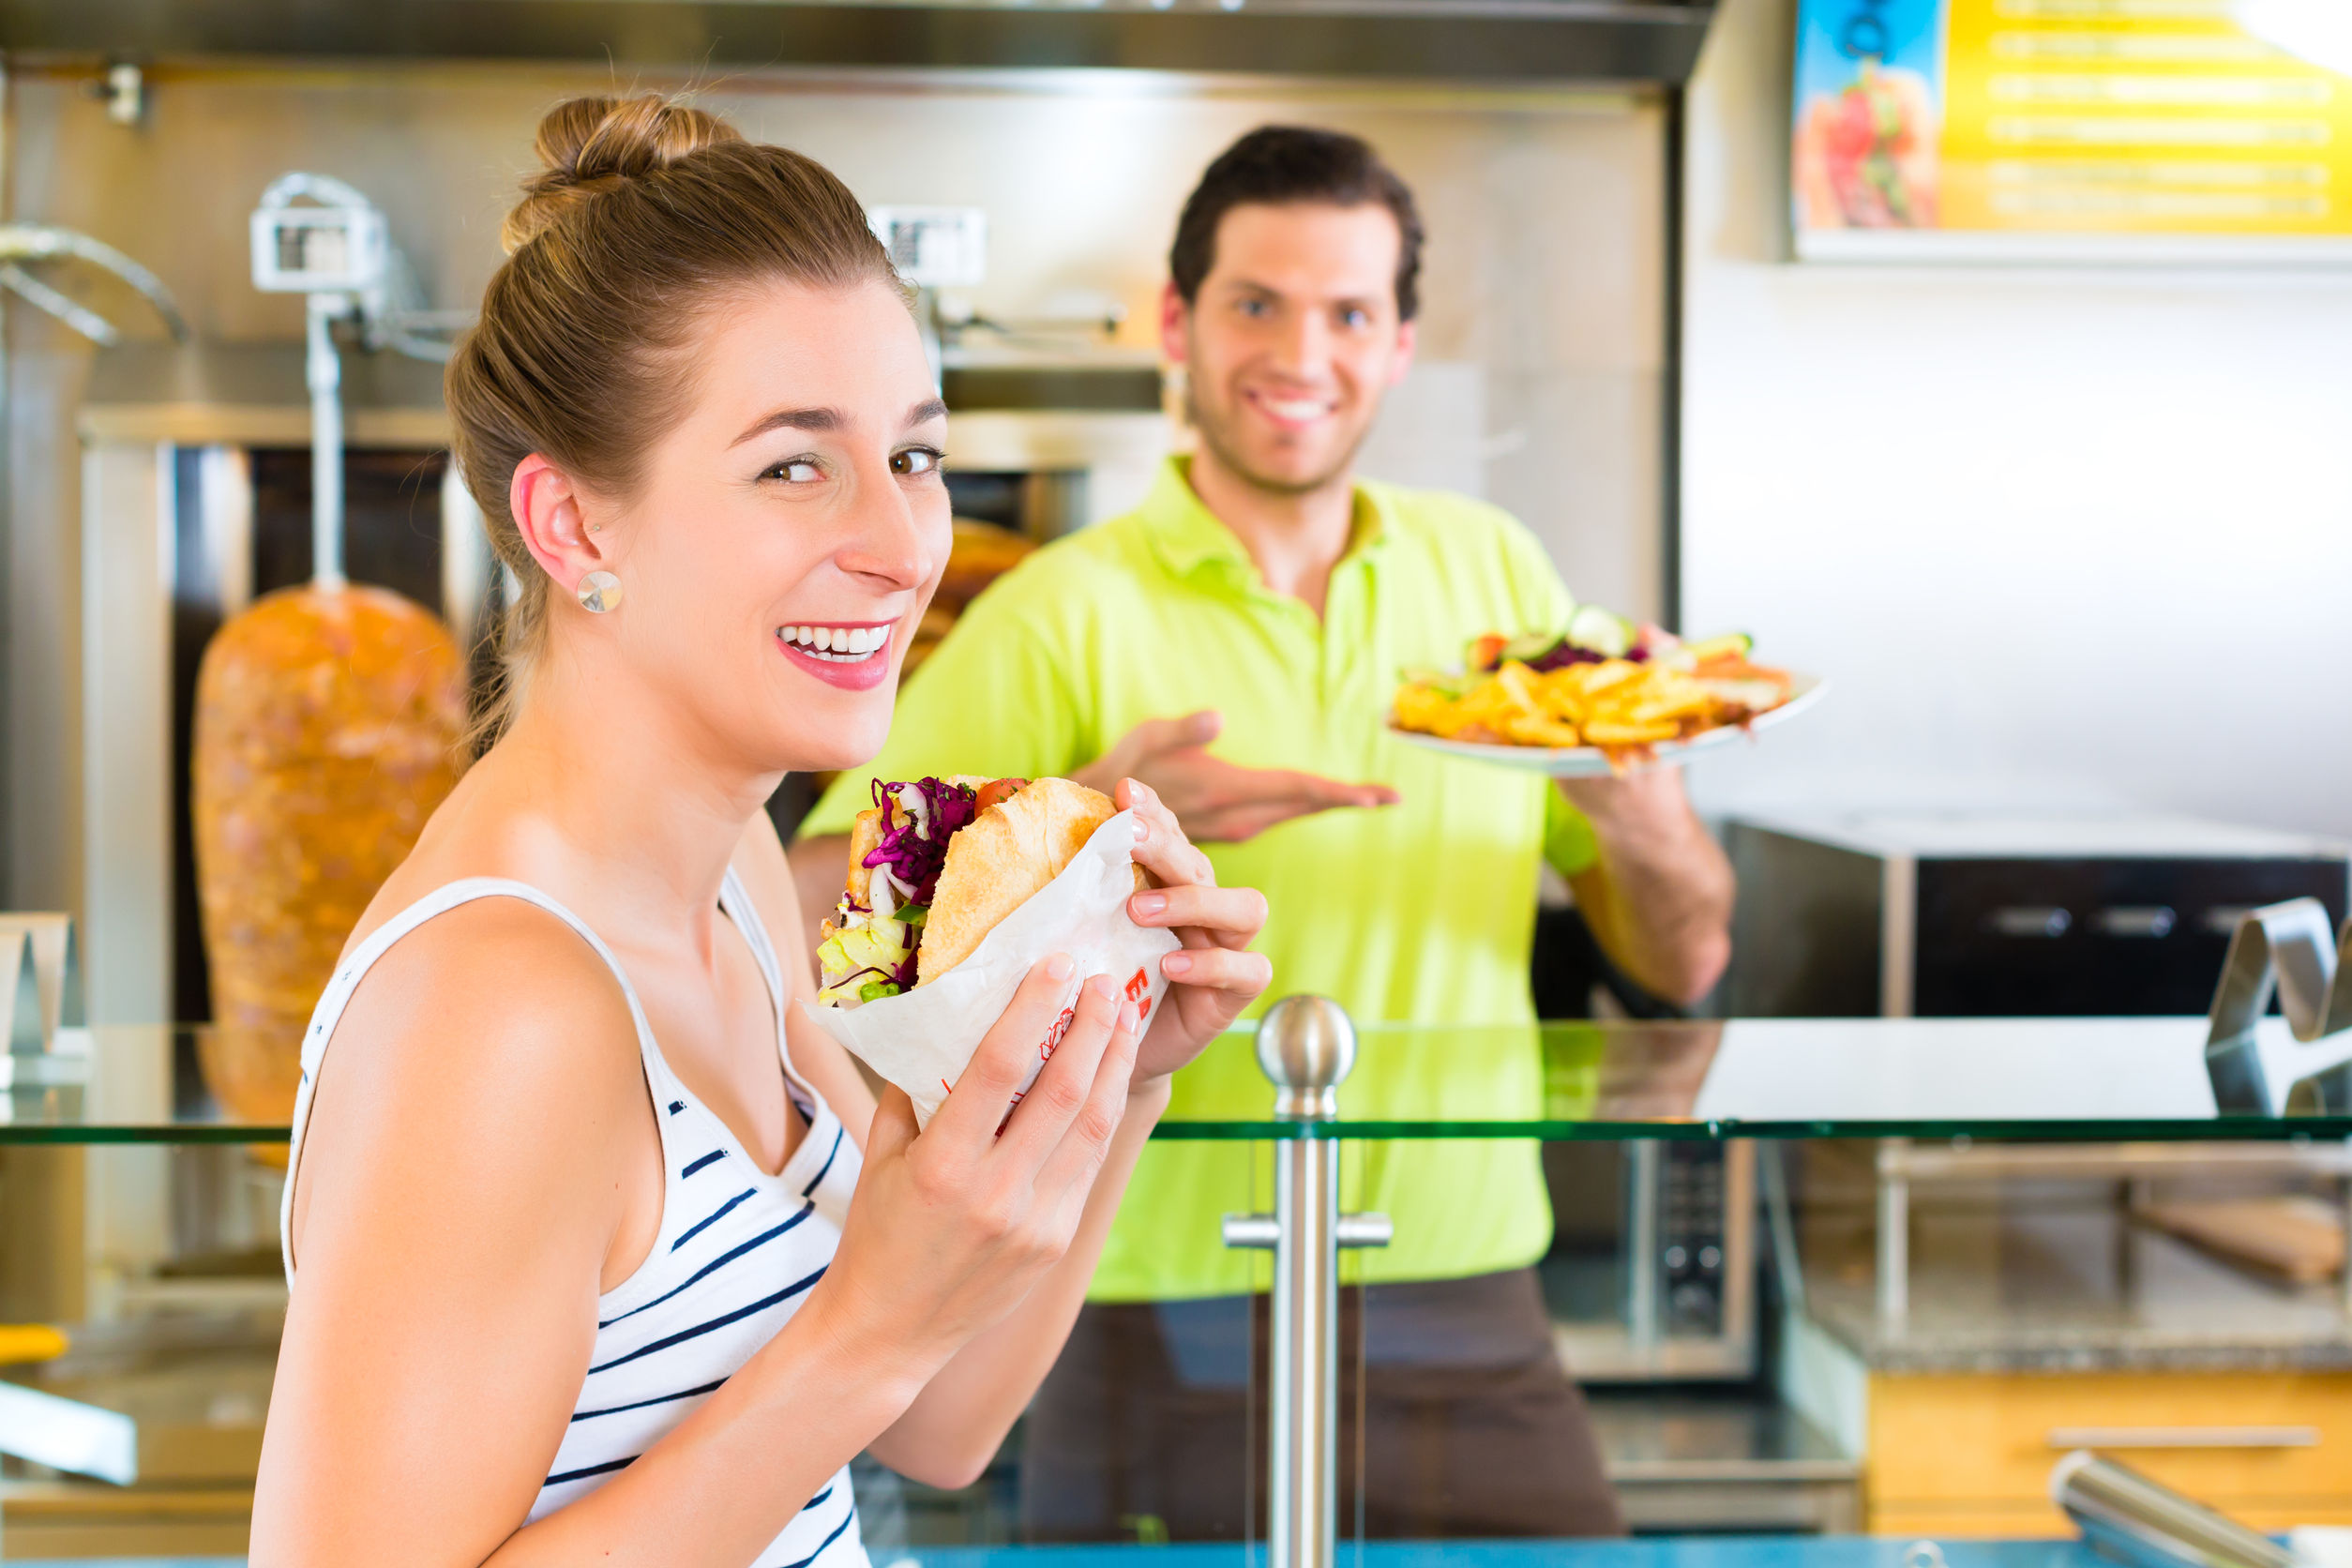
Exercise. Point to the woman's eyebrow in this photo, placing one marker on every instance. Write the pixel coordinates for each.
(798, 418)
(929, 409)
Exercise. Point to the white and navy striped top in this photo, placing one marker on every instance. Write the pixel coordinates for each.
(736, 1254)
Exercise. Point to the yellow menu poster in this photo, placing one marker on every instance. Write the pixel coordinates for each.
(2094, 119)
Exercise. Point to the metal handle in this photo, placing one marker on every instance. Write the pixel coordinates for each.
(1256, 1232)
(2153, 920)
(2184, 1437)
(2291, 952)
(1263, 1233)
(2030, 920)
(2127, 1516)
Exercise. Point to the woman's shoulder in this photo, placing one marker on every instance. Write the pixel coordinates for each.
(495, 967)
(475, 1115)
(490, 1031)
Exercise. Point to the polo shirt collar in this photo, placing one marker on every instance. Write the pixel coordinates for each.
(1187, 535)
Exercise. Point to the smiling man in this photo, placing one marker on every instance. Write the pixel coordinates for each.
(1234, 642)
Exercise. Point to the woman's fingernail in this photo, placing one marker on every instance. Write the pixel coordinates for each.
(1176, 965)
(1148, 904)
(1143, 831)
(1126, 1018)
(1061, 966)
(1101, 988)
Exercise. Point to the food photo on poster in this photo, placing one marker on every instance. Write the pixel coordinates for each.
(2045, 129)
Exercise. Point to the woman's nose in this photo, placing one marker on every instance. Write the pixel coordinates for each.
(886, 542)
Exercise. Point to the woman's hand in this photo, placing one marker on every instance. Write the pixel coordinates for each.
(1214, 974)
(951, 1227)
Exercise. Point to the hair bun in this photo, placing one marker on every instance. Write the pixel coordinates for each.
(590, 146)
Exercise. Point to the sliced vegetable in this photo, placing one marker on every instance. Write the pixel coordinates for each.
(918, 818)
(1444, 680)
(1527, 649)
(1738, 644)
(1601, 632)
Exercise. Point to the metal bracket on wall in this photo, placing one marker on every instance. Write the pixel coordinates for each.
(2291, 952)
(43, 242)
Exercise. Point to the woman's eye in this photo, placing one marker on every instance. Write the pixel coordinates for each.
(916, 460)
(1355, 316)
(795, 471)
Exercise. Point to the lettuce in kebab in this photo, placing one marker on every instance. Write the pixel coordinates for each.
(934, 865)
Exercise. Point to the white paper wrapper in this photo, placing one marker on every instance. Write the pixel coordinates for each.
(921, 1040)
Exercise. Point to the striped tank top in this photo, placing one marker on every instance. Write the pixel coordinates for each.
(736, 1254)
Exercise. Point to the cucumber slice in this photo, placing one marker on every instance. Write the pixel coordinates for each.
(1738, 644)
(1601, 632)
(1529, 648)
(1451, 683)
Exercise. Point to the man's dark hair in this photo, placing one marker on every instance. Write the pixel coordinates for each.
(1280, 164)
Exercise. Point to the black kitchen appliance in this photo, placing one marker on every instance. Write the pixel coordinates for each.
(2002, 916)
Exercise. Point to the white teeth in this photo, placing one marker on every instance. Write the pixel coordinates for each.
(836, 644)
(1295, 409)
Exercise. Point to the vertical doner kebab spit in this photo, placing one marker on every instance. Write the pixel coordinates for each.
(329, 721)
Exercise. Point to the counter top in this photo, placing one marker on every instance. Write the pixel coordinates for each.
(2104, 1080)
(1687, 1551)
(2060, 1281)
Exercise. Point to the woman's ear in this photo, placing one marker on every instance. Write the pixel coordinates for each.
(554, 518)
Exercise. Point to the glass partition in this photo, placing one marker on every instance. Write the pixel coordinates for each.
(1712, 1275)
(2080, 1078)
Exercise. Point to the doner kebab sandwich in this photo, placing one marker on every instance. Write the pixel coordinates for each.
(935, 865)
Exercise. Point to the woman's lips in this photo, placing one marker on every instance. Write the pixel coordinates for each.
(852, 656)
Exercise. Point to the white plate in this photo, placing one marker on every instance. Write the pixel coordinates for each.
(1588, 762)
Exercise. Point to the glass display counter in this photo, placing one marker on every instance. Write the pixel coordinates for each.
(1723, 1235)
(2096, 1079)
(1717, 1552)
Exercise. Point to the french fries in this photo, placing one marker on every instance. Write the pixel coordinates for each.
(1619, 705)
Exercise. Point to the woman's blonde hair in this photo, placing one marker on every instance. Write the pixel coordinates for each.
(645, 213)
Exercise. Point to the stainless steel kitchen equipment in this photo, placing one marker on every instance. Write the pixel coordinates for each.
(2290, 953)
(2137, 1520)
(1651, 1273)
(42, 242)
(1613, 40)
(2018, 916)
(196, 499)
(1982, 916)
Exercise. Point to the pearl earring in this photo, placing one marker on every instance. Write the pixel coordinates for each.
(599, 593)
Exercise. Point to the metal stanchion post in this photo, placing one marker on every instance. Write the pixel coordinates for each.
(1306, 1045)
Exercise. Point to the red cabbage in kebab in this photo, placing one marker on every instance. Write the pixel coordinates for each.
(901, 847)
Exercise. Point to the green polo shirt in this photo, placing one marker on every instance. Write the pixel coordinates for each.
(1422, 912)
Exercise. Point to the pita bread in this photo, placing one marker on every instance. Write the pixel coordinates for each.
(1000, 861)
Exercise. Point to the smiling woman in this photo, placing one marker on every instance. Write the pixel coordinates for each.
(605, 1253)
